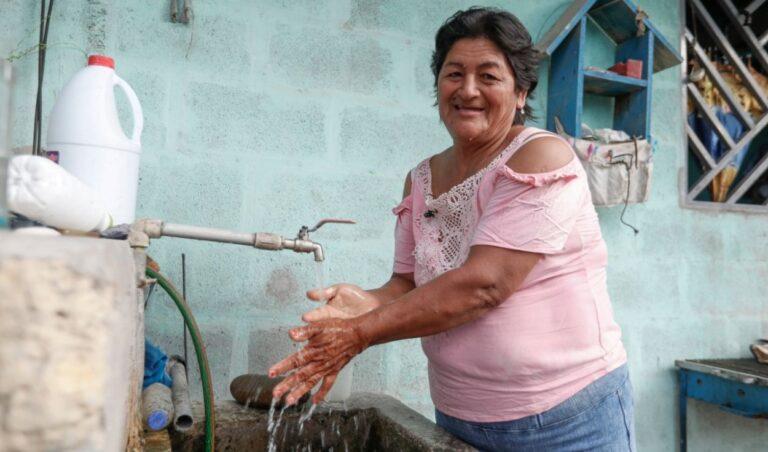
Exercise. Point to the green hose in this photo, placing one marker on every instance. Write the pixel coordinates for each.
(202, 357)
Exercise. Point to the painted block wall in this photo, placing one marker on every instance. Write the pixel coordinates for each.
(264, 116)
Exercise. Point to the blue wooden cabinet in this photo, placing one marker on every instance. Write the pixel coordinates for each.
(635, 38)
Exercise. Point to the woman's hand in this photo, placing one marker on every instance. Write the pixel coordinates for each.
(331, 345)
(344, 301)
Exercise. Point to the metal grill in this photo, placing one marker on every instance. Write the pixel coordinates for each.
(739, 19)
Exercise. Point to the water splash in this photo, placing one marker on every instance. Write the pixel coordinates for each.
(271, 422)
(320, 277)
(272, 447)
(303, 418)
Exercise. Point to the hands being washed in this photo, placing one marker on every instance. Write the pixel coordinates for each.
(332, 341)
(331, 344)
(344, 301)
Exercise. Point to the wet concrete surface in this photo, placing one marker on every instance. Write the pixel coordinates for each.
(367, 422)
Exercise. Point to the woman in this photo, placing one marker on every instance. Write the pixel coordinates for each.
(499, 268)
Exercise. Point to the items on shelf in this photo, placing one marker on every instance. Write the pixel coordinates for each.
(630, 68)
(618, 170)
(640, 51)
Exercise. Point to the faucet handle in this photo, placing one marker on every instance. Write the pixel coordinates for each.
(305, 230)
(331, 220)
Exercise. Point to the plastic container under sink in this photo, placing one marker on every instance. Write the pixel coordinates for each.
(85, 129)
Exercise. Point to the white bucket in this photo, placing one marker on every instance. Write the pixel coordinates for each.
(85, 129)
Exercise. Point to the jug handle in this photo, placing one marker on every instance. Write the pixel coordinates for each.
(138, 114)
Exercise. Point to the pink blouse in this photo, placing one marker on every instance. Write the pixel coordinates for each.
(551, 338)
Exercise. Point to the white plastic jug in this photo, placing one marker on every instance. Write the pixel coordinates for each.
(85, 129)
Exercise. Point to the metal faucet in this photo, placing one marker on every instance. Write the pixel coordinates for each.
(262, 240)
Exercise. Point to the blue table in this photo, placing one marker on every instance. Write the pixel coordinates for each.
(738, 386)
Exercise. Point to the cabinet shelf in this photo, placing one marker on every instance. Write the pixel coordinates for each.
(610, 84)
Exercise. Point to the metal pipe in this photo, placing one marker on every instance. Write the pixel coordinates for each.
(260, 240)
(208, 234)
(182, 408)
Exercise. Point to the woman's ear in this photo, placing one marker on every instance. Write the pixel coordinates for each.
(521, 98)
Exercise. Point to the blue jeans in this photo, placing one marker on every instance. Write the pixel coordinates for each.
(600, 417)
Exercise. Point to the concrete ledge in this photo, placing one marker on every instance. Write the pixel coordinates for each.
(71, 343)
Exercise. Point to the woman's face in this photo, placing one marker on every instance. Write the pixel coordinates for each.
(476, 91)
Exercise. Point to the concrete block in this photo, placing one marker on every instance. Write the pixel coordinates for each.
(257, 125)
(190, 193)
(152, 93)
(367, 138)
(422, 73)
(421, 23)
(268, 346)
(633, 294)
(146, 32)
(751, 244)
(305, 199)
(330, 60)
(316, 13)
(370, 373)
(68, 346)
(411, 381)
(369, 267)
(214, 46)
(729, 290)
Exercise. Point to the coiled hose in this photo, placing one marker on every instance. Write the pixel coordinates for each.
(202, 357)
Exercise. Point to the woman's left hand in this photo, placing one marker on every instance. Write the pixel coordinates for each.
(331, 345)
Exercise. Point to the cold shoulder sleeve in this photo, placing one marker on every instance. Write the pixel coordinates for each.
(404, 241)
(532, 212)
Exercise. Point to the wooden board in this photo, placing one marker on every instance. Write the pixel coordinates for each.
(610, 84)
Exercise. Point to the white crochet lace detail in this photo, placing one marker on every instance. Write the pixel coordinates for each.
(446, 236)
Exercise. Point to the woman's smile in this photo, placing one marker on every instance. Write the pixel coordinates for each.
(469, 112)
(476, 91)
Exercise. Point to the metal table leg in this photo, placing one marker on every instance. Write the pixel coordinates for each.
(683, 406)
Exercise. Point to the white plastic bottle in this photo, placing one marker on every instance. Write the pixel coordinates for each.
(85, 130)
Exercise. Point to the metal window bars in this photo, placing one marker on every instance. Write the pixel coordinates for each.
(740, 21)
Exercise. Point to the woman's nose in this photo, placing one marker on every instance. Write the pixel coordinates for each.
(469, 88)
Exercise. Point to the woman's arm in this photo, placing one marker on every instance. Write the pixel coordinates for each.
(397, 286)
(489, 276)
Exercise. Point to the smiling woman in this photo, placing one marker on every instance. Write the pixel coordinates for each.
(499, 268)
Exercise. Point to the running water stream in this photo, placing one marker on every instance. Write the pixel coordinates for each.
(320, 277)
(274, 425)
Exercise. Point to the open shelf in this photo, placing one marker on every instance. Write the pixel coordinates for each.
(610, 84)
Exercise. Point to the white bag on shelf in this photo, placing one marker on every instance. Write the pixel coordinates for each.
(619, 172)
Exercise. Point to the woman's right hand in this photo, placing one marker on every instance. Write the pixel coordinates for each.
(344, 301)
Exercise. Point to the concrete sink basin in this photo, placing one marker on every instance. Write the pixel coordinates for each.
(371, 423)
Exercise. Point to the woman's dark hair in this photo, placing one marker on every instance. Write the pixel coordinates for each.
(506, 32)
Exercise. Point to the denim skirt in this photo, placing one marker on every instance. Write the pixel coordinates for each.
(600, 417)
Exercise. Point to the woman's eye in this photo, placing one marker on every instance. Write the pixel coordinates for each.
(490, 77)
(454, 74)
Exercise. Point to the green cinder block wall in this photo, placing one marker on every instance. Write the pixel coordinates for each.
(268, 115)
